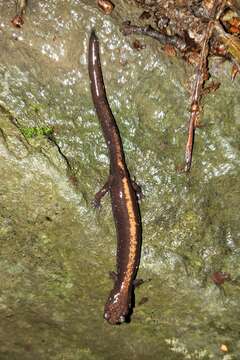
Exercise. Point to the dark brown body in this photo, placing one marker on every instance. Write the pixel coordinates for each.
(123, 195)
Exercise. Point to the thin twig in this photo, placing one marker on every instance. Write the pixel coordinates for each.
(201, 76)
(196, 97)
(164, 39)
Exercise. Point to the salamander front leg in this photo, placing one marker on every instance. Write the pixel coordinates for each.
(113, 276)
(100, 194)
(136, 283)
(137, 188)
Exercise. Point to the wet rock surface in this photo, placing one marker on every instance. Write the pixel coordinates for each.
(56, 250)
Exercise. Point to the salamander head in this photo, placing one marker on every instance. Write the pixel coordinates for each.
(117, 308)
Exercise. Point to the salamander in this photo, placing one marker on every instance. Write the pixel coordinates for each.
(124, 198)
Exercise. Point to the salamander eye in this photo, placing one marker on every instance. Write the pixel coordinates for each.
(106, 316)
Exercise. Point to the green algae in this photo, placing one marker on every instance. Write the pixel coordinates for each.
(56, 250)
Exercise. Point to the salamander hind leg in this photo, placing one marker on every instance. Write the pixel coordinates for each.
(100, 194)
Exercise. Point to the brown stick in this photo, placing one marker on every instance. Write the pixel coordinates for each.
(201, 76)
(196, 97)
(164, 39)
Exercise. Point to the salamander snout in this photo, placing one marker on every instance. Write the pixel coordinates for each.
(116, 310)
(112, 320)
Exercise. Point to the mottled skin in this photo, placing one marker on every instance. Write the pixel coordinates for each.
(123, 196)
